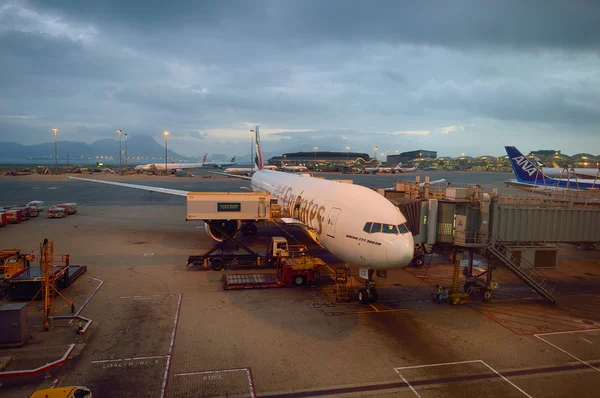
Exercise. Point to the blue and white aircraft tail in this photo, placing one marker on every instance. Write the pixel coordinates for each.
(530, 177)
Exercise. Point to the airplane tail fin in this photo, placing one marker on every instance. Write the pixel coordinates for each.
(232, 159)
(524, 169)
(204, 158)
(555, 165)
(258, 149)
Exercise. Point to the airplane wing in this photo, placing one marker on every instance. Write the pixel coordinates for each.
(167, 191)
(231, 175)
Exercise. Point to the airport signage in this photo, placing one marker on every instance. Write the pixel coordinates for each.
(229, 206)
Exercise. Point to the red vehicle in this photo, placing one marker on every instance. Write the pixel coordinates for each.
(3, 220)
(70, 208)
(14, 216)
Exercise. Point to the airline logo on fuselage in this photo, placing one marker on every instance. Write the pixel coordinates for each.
(525, 165)
(309, 212)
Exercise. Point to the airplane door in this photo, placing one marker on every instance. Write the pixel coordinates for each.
(332, 220)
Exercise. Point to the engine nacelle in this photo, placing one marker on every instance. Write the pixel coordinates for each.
(230, 226)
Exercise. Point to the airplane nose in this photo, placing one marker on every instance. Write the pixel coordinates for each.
(399, 252)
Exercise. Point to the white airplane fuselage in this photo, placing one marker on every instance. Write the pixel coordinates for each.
(335, 214)
(571, 173)
(170, 166)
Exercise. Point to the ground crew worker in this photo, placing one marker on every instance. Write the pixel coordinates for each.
(443, 296)
(438, 291)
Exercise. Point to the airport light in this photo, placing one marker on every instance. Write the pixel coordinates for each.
(166, 134)
(375, 151)
(120, 155)
(251, 151)
(348, 151)
(315, 148)
(126, 138)
(55, 152)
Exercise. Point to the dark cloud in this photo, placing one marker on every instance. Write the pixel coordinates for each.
(351, 71)
(460, 23)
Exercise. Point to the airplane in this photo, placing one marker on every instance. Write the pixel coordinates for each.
(219, 164)
(246, 171)
(564, 172)
(356, 224)
(171, 166)
(285, 167)
(531, 178)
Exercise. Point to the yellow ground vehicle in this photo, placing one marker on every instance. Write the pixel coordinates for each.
(63, 392)
(11, 261)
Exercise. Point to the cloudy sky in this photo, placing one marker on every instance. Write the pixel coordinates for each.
(453, 76)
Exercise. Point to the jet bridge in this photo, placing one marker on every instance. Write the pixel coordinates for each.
(521, 232)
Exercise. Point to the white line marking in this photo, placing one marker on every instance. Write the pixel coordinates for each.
(408, 384)
(455, 363)
(175, 325)
(565, 352)
(165, 377)
(568, 331)
(93, 294)
(148, 297)
(505, 379)
(586, 340)
(437, 364)
(130, 359)
(250, 385)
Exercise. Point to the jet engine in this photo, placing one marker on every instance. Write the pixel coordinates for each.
(229, 226)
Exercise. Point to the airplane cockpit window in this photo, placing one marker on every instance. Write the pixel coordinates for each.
(376, 228)
(367, 227)
(390, 229)
(403, 229)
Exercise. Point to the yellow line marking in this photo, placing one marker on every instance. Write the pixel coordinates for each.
(374, 312)
(375, 308)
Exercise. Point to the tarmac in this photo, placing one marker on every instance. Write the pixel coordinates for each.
(160, 329)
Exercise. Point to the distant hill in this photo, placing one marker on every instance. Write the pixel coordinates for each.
(139, 145)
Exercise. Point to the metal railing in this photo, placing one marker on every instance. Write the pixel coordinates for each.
(523, 268)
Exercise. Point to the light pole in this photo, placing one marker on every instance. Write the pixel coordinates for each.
(375, 151)
(388, 155)
(166, 134)
(252, 151)
(120, 153)
(126, 138)
(315, 148)
(55, 152)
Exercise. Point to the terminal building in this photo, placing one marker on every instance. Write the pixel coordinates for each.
(411, 157)
(325, 160)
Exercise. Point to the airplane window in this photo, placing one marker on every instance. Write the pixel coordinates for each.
(367, 227)
(390, 229)
(376, 228)
(403, 229)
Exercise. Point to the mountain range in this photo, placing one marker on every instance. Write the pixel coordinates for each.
(138, 146)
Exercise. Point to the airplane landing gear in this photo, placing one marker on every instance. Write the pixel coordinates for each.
(368, 294)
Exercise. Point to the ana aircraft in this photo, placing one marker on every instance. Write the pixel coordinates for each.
(353, 222)
(564, 172)
(531, 178)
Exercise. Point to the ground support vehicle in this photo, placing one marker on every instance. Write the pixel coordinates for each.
(293, 271)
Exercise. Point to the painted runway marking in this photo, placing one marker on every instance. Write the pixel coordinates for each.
(216, 375)
(91, 296)
(586, 340)
(169, 357)
(397, 370)
(538, 336)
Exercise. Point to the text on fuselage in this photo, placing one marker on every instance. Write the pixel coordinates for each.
(308, 211)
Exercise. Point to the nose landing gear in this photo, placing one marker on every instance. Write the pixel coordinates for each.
(368, 294)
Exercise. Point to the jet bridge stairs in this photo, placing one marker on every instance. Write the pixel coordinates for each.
(518, 265)
(523, 269)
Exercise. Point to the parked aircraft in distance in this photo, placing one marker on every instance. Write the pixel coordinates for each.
(185, 166)
(285, 167)
(355, 223)
(530, 177)
(171, 166)
(246, 171)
